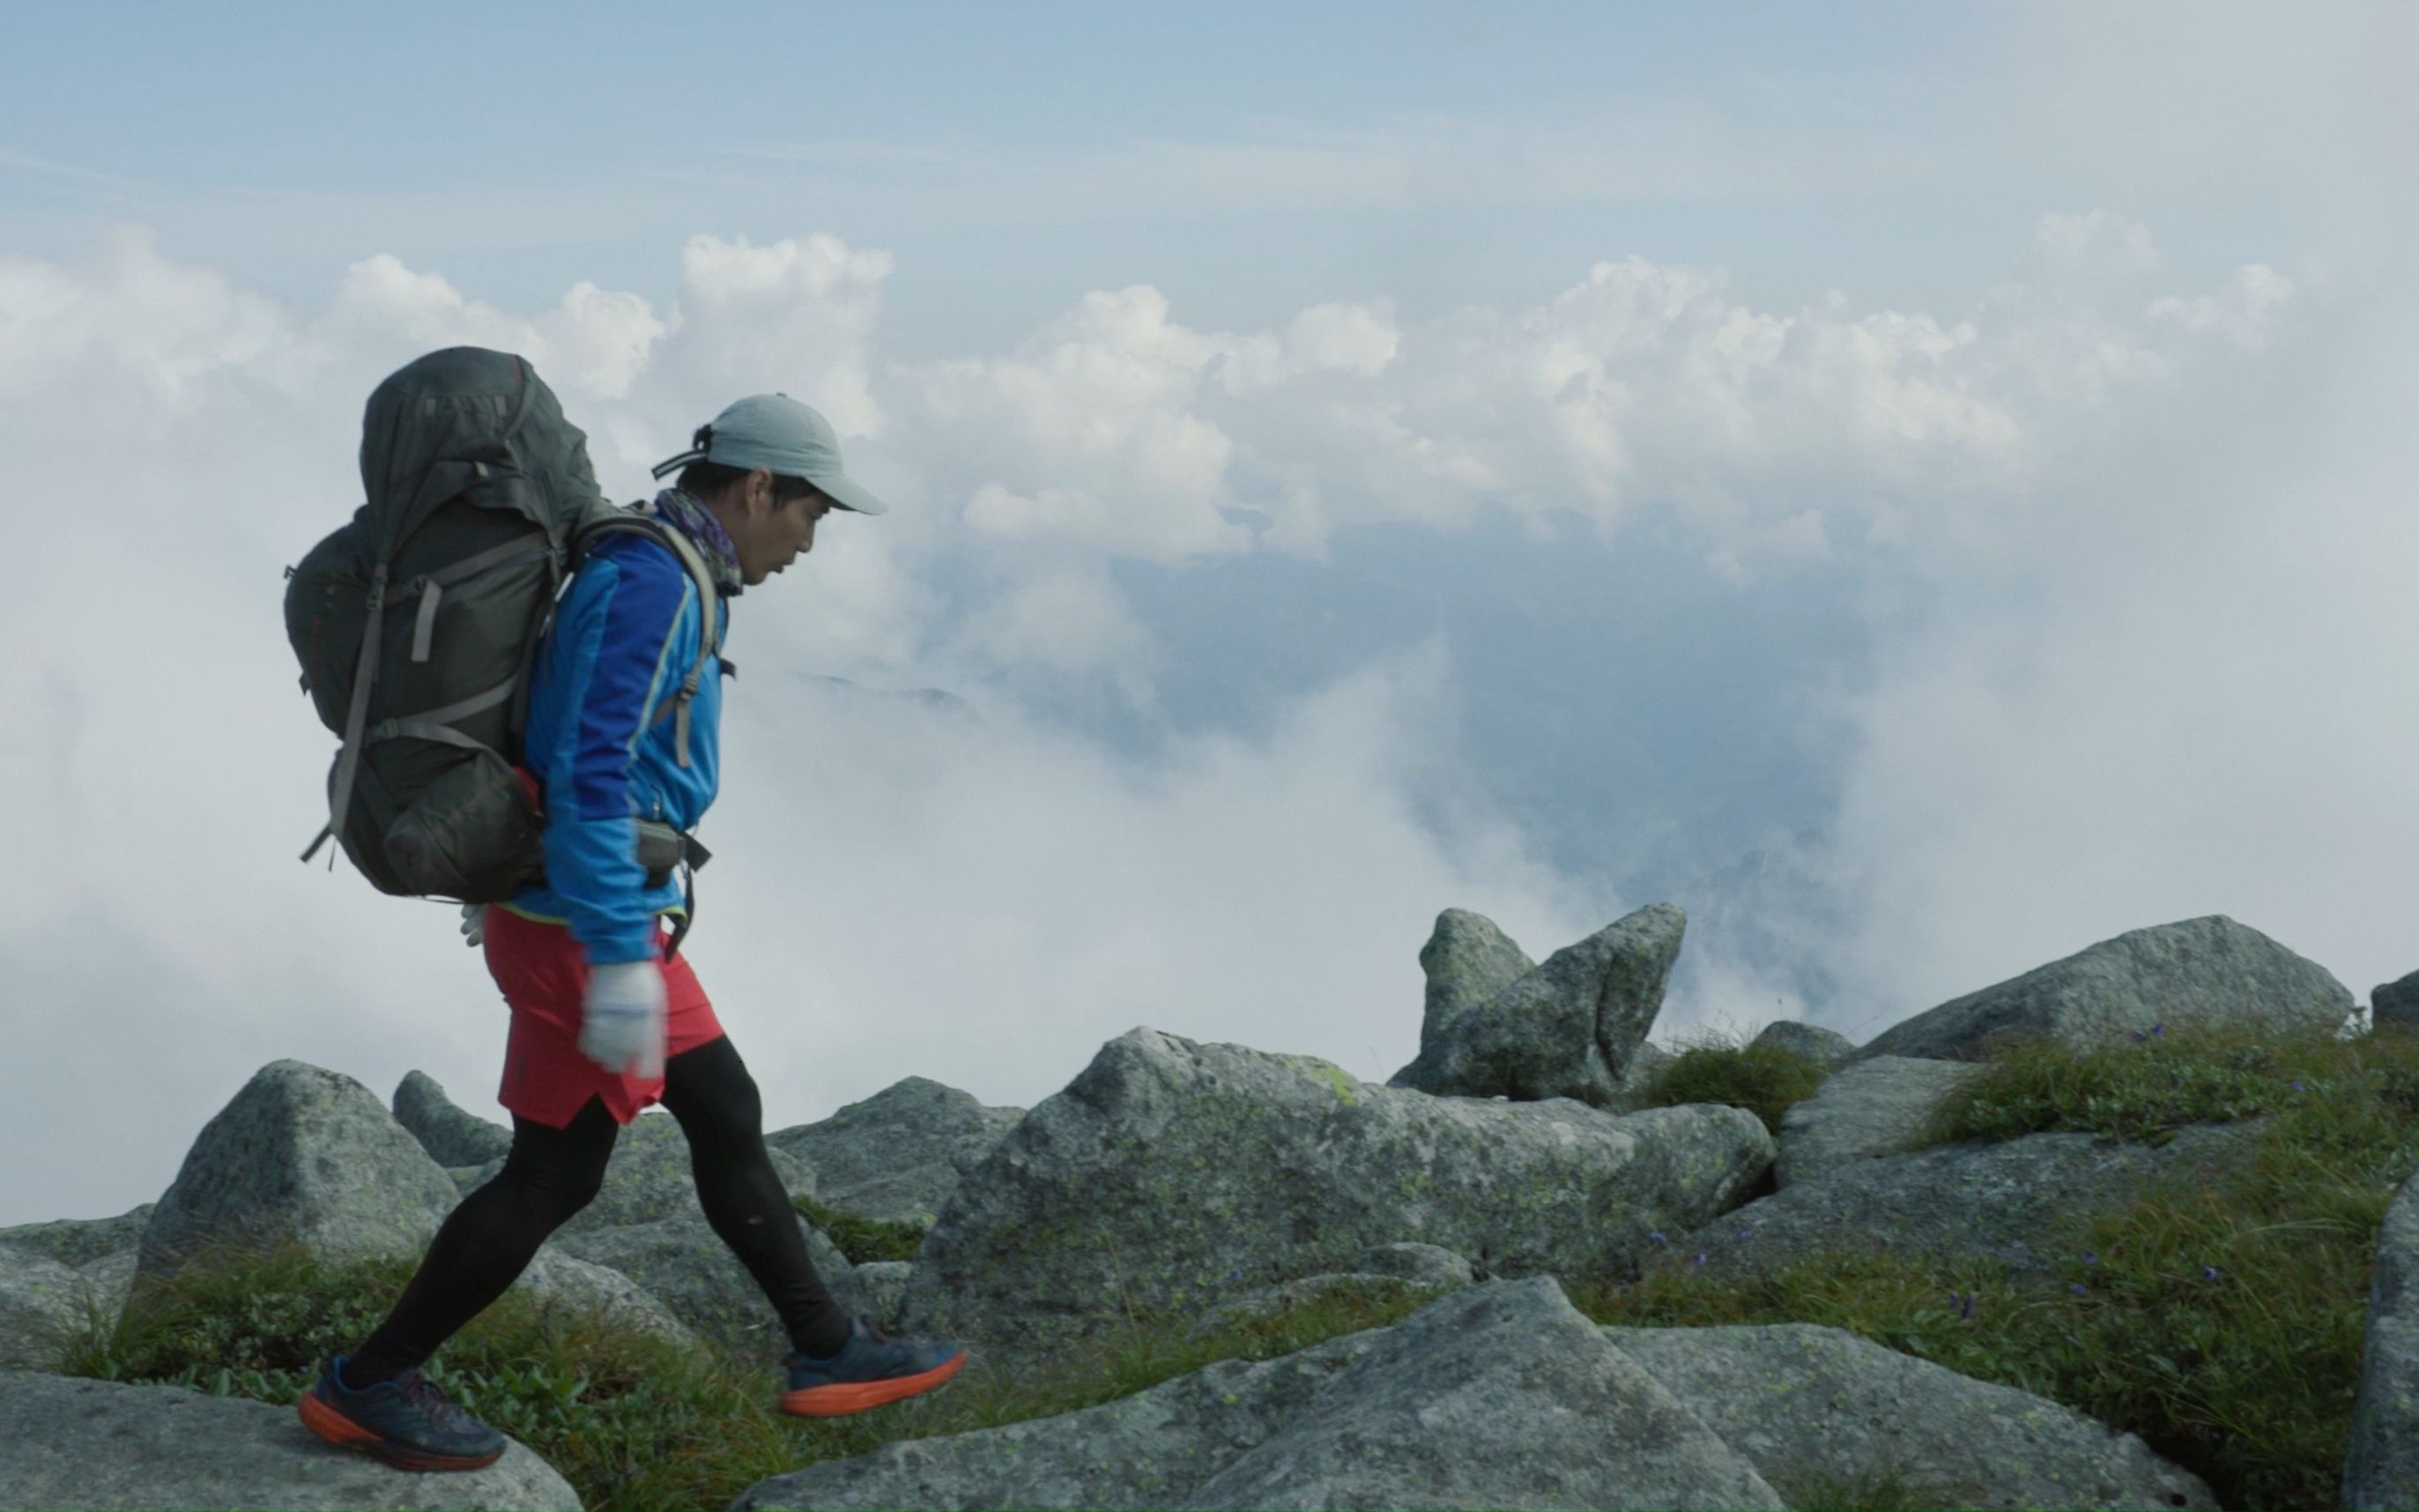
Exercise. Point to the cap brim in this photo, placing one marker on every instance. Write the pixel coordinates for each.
(850, 494)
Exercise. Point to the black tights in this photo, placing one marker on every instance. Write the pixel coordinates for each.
(549, 1174)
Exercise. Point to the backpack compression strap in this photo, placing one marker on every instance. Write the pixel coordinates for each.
(364, 668)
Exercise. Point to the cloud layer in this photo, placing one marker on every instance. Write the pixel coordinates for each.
(2126, 548)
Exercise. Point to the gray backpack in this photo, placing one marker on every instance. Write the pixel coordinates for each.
(417, 624)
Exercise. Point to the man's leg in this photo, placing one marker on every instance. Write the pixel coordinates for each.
(487, 1242)
(709, 1090)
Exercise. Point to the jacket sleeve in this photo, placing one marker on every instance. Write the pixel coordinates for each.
(612, 646)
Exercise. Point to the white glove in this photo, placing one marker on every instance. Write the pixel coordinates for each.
(474, 923)
(622, 1029)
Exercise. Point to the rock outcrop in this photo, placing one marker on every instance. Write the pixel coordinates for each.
(900, 1154)
(1810, 1406)
(300, 1154)
(685, 1265)
(2209, 970)
(1827, 1048)
(97, 1443)
(2381, 1471)
(40, 1302)
(2395, 1005)
(2003, 1201)
(1498, 1395)
(571, 1288)
(874, 1289)
(1873, 1108)
(79, 1242)
(1172, 1176)
(1197, 1185)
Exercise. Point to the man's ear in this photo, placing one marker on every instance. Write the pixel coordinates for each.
(760, 490)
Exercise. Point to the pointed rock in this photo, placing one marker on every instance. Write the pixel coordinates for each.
(1568, 1029)
(2209, 970)
(1807, 1403)
(66, 1441)
(302, 1154)
(1467, 961)
(451, 1137)
(1172, 1176)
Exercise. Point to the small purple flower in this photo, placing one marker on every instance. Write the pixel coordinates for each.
(1699, 1260)
(1655, 1236)
(2090, 1256)
(2158, 1028)
(1738, 1233)
(2080, 1290)
(1966, 1308)
(2209, 1273)
(2299, 1088)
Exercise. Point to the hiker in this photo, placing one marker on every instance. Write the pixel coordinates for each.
(607, 1016)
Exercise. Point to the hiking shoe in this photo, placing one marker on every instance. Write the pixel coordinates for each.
(870, 1368)
(405, 1422)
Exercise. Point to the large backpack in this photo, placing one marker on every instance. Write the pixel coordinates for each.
(417, 624)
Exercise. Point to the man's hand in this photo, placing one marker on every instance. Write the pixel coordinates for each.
(474, 923)
(624, 1028)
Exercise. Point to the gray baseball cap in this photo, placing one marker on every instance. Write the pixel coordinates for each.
(777, 432)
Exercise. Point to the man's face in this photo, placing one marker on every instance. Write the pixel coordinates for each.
(773, 536)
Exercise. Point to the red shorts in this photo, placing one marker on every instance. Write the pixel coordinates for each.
(544, 973)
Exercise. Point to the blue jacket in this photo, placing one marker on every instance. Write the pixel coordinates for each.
(625, 636)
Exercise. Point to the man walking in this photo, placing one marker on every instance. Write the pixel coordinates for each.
(604, 1021)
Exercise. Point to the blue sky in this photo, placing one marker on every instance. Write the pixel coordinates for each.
(1922, 487)
(1887, 150)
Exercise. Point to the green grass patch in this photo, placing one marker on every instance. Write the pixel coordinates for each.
(1715, 1067)
(863, 1238)
(2220, 1321)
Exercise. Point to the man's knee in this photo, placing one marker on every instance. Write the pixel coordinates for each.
(563, 1170)
(581, 1189)
(709, 1090)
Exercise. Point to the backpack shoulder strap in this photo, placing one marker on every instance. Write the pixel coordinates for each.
(709, 601)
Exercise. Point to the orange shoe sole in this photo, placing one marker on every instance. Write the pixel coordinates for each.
(322, 1418)
(842, 1397)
